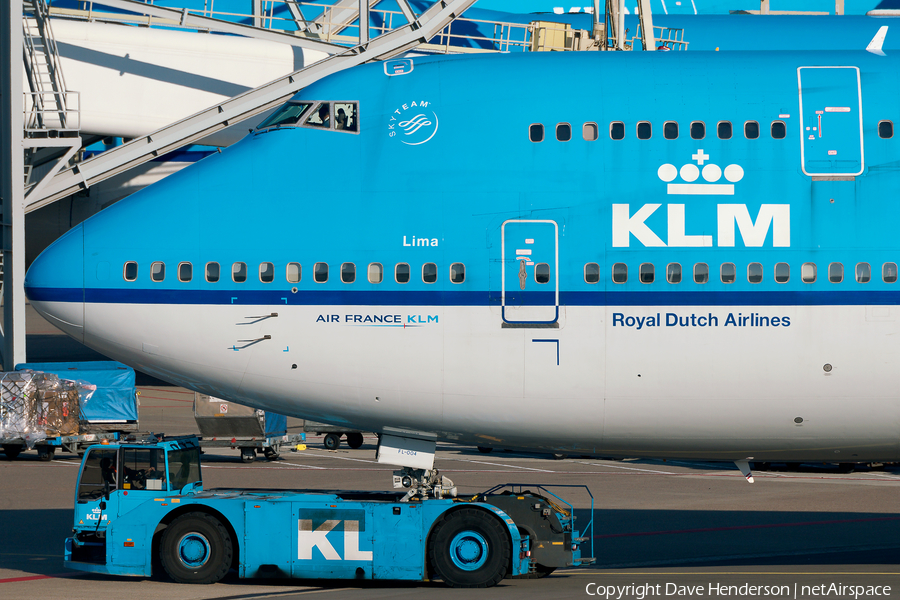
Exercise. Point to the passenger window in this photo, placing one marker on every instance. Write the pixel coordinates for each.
(885, 129)
(836, 272)
(889, 272)
(185, 271)
(723, 130)
(808, 273)
(591, 273)
(293, 273)
(401, 273)
(429, 272)
(563, 132)
(266, 272)
(590, 132)
(376, 273)
(698, 130)
(754, 272)
(348, 272)
(644, 130)
(779, 131)
(320, 272)
(782, 272)
(728, 273)
(701, 273)
(536, 132)
(670, 130)
(158, 271)
(345, 116)
(647, 273)
(620, 273)
(130, 271)
(239, 272)
(457, 273)
(212, 272)
(863, 272)
(542, 273)
(320, 117)
(751, 130)
(617, 130)
(673, 273)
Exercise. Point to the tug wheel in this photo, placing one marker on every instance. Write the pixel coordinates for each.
(469, 548)
(196, 548)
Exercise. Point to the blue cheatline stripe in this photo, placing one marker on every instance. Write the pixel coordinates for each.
(463, 298)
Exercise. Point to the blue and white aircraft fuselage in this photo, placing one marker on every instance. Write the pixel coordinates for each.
(633, 254)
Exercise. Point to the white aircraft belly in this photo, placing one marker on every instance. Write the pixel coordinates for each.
(704, 392)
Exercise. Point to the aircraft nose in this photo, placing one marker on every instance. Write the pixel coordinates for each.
(54, 284)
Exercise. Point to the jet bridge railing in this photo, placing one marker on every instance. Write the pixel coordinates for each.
(330, 25)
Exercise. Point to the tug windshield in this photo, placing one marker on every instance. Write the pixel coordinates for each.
(184, 468)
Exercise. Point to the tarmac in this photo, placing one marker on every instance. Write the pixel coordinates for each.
(665, 529)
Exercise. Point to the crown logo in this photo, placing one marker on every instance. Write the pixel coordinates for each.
(711, 173)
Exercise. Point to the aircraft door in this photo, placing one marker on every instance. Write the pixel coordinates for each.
(530, 282)
(830, 121)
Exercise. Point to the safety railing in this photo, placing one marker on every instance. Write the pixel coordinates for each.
(52, 111)
(323, 22)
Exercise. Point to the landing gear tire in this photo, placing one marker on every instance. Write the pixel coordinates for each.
(354, 440)
(270, 453)
(46, 454)
(12, 451)
(485, 449)
(332, 441)
(469, 548)
(560, 456)
(248, 454)
(196, 548)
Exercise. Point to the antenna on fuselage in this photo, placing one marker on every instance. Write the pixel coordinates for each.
(878, 41)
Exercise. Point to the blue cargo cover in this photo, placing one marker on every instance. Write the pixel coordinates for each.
(275, 424)
(115, 398)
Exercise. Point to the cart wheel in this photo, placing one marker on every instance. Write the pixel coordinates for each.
(248, 454)
(12, 451)
(270, 453)
(354, 440)
(196, 548)
(45, 453)
(469, 548)
(332, 441)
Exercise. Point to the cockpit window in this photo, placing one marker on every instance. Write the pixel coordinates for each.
(345, 116)
(320, 116)
(288, 114)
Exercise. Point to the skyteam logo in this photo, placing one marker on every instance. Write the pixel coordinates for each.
(711, 173)
(413, 123)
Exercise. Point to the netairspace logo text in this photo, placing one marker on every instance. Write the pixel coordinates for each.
(661, 590)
